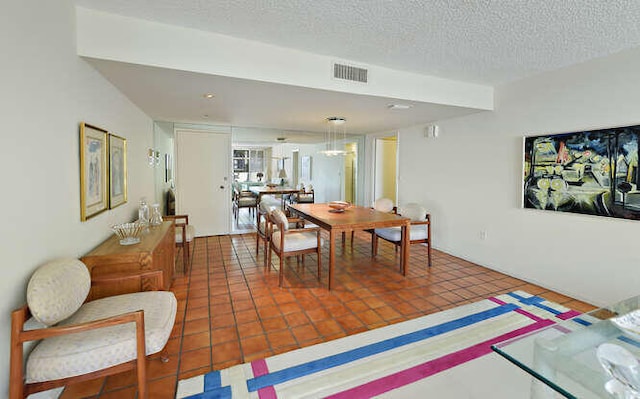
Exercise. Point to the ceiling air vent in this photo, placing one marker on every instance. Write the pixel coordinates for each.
(348, 72)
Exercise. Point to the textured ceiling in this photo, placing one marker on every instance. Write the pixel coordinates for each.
(482, 41)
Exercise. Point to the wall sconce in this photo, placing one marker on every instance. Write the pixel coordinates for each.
(153, 157)
(432, 131)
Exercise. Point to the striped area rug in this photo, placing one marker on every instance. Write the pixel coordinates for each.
(381, 360)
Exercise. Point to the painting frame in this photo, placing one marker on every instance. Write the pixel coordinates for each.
(117, 171)
(94, 150)
(305, 168)
(590, 172)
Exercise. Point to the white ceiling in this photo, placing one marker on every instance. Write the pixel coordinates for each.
(289, 111)
(481, 41)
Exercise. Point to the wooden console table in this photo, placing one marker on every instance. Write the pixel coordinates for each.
(155, 251)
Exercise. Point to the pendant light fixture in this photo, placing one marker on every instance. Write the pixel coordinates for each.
(335, 136)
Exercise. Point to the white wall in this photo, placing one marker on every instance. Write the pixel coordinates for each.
(327, 176)
(470, 178)
(327, 173)
(163, 141)
(46, 92)
(320, 183)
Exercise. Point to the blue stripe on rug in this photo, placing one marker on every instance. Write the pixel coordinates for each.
(304, 369)
(535, 301)
(213, 388)
(581, 321)
(547, 308)
(532, 300)
(212, 380)
(630, 341)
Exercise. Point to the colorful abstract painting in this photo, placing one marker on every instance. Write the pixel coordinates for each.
(591, 172)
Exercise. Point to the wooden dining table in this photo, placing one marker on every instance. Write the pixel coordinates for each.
(276, 190)
(353, 218)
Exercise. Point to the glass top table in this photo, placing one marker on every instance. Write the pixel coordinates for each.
(563, 356)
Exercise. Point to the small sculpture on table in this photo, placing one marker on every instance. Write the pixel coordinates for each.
(624, 369)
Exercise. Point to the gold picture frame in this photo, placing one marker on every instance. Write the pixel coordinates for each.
(117, 171)
(94, 198)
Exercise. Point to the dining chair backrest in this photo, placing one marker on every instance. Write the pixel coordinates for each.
(413, 211)
(383, 205)
(267, 206)
(278, 217)
(419, 231)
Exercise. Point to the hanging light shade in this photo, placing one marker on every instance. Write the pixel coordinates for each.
(335, 136)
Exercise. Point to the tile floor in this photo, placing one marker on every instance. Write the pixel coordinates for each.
(245, 222)
(230, 309)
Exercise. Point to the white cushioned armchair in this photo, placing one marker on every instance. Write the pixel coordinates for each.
(80, 341)
(419, 231)
(286, 242)
(267, 205)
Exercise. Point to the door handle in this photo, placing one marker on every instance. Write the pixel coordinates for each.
(221, 187)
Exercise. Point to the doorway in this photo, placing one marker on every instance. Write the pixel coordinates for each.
(251, 167)
(385, 184)
(350, 172)
(202, 180)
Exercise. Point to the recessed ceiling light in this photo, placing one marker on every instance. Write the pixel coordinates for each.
(208, 95)
(399, 106)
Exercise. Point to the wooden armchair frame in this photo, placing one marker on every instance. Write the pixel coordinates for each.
(262, 234)
(237, 195)
(186, 251)
(303, 197)
(280, 250)
(427, 222)
(19, 389)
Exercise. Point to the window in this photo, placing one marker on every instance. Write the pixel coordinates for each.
(247, 163)
(240, 161)
(256, 161)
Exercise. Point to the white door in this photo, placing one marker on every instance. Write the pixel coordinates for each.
(202, 180)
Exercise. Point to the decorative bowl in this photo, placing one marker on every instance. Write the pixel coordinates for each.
(338, 206)
(128, 233)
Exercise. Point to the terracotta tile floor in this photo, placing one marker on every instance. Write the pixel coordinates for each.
(230, 309)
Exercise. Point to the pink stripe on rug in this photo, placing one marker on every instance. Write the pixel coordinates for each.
(496, 300)
(519, 310)
(569, 314)
(259, 367)
(413, 374)
(562, 329)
